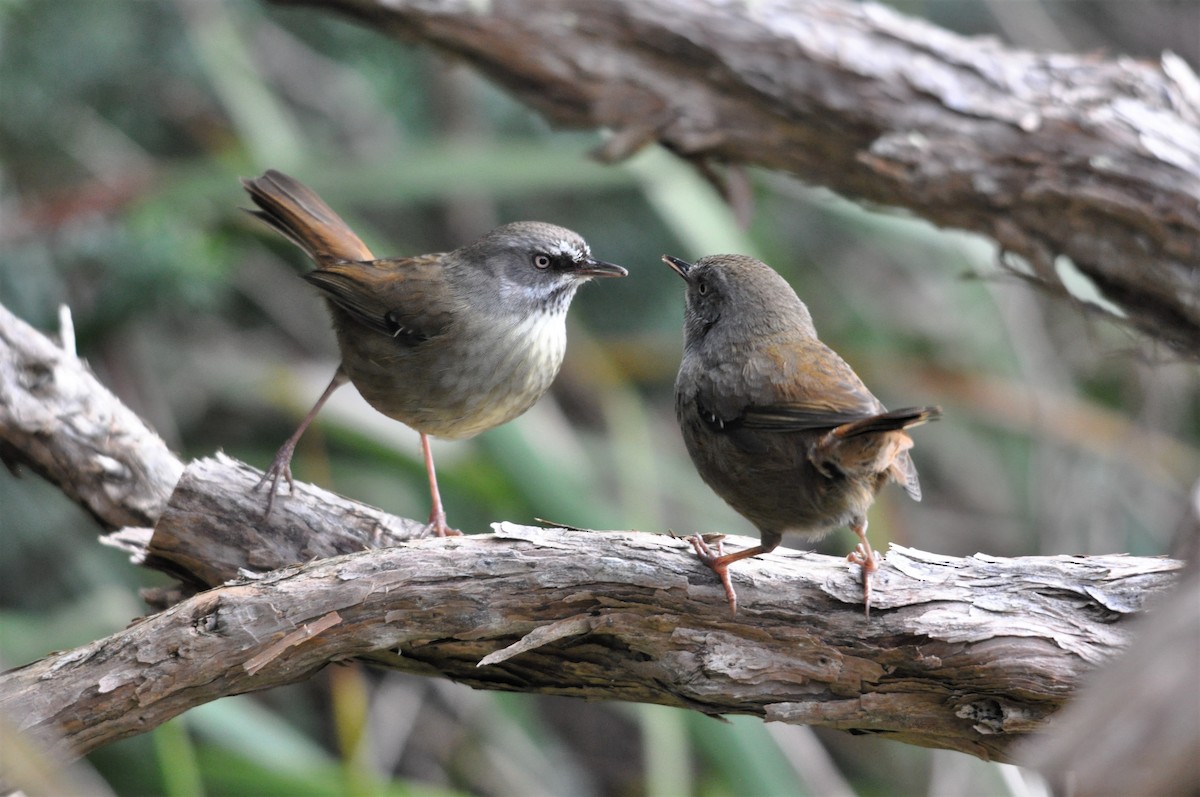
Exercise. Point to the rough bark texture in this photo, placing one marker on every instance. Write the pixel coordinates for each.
(1100, 746)
(1051, 155)
(206, 542)
(57, 419)
(967, 654)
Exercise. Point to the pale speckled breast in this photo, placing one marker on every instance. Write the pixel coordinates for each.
(462, 383)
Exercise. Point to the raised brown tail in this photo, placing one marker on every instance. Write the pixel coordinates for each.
(902, 468)
(888, 421)
(302, 217)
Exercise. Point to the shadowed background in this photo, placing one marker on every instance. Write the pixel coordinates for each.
(123, 129)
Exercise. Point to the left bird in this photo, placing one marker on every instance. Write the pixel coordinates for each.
(450, 344)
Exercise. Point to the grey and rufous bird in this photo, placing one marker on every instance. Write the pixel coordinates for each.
(775, 421)
(450, 344)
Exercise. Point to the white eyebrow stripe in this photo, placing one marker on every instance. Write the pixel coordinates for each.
(571, 249)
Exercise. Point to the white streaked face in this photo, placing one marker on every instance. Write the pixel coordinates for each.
(576, 250)
(532, 266)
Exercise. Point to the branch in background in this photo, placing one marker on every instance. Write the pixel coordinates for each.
(1053, 156)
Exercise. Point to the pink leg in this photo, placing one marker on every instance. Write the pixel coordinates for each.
(865, 557)
(281, 466)
(720, 561)
(437, 515)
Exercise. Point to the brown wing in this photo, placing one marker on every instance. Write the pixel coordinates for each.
(807, 387)
(794, 386)
(404, 298)
(803, 386)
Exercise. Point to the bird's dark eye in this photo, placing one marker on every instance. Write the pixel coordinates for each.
(541, 261)
(702, 287)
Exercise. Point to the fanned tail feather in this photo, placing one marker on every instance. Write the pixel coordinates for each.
(297, 213)
(888, 421)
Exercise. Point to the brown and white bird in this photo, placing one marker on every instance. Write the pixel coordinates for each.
(450, 344)
(775, 421)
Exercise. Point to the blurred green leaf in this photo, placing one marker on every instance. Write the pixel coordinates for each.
(260, 736)
(745, 758)
(177, 760)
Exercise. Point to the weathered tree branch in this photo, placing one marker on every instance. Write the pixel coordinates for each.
(1050, 155)
(57, 419)
(967, 654)
(1134, 728)
(213, 529)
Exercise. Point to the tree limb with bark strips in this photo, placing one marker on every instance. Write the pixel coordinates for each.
(1055, 157)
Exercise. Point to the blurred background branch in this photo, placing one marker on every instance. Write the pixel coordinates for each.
(125, 125)
(1083, 170)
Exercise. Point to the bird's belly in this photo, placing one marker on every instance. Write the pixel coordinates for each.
(780, 490)
(457, 391)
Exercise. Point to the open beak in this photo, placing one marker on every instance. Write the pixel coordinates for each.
(598, 268)
(680, 267)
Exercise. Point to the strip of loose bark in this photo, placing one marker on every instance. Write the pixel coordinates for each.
(1051, 155)
(302, 634)
(967, 654)
(56, 418)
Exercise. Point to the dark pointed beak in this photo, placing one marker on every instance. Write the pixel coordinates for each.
(598, 268)
(680, 267)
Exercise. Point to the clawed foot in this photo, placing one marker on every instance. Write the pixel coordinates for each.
(281, 468)
(437, 526)
(717, 563)
(868, 559)
(704, 550)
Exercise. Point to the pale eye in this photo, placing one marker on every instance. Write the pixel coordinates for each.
(702, 287)
(541, 261)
